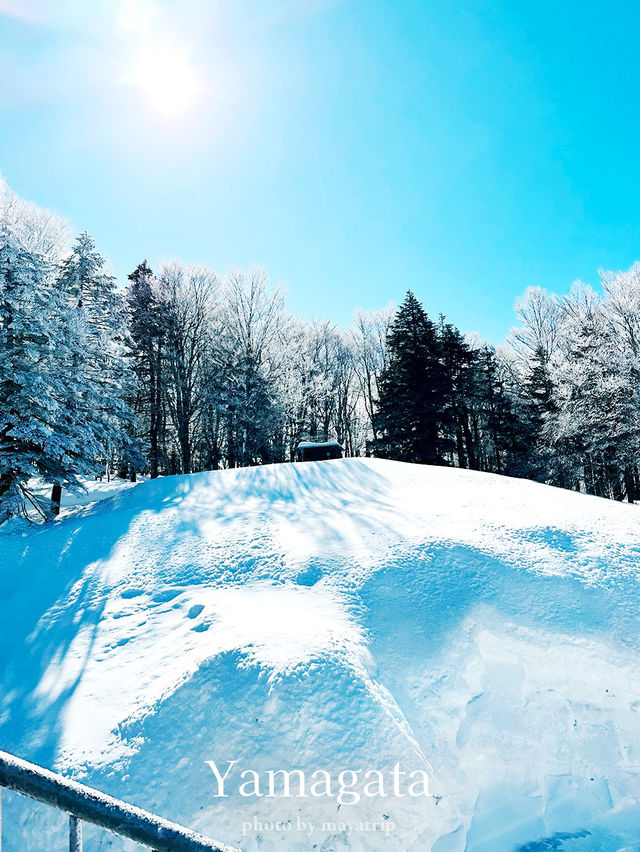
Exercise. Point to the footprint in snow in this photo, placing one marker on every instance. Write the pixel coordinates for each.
(166, 595)
(195, 610)
(132, 593)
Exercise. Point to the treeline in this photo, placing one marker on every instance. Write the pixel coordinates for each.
(183, 370)
(179, 370)
(575, 364)
(226, 377)
(559, 404)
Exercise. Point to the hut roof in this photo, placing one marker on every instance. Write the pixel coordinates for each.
(305, 445)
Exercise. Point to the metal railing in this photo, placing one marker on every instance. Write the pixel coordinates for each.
(84, 804)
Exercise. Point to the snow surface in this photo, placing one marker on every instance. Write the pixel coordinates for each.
(344, 614)
(94, 490)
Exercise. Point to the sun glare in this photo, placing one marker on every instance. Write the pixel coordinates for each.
(166, 78)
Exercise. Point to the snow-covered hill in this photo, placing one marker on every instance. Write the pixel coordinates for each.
(343, 615)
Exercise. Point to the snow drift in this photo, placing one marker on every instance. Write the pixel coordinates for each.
(352, 614)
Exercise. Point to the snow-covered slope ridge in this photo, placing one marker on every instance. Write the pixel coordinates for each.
(350, 614)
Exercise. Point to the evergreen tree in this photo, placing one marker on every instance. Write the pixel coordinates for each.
(40, 434)
(537, 407)
(147, 330)
(502, 445)
(412, 406)
(83, 276)
(458, 361)
(105, 368)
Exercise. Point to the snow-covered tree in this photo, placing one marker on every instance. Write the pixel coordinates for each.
(595, 425)
(40, 344)
(187, 302)
(369, 336)
(253, 352)
(106, 367)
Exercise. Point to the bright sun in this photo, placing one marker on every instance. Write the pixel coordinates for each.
(165, 76)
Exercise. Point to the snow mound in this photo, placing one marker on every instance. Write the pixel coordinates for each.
(353, 614)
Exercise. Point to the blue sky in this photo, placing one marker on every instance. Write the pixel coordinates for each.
(354, 148)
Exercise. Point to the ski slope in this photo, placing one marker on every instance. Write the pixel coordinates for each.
(344, 615)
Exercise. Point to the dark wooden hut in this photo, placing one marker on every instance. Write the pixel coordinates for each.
(318, 451)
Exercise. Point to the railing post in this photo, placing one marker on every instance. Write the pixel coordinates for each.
(84, 804)
(75, 834)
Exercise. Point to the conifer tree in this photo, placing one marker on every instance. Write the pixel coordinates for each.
(458, 361)
(147, 329)
(412, 390)
(537, 407)
(40, 434)
(105, 368)
(501, 446)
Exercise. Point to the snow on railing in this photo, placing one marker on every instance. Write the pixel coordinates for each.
(88, 805)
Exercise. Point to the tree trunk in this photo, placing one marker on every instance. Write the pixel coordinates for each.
(56, 498)
(629, 484)
(153, 448)
(462, 456)
(155, 414)
(6, 481)
(185, 447)
(470, 442)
